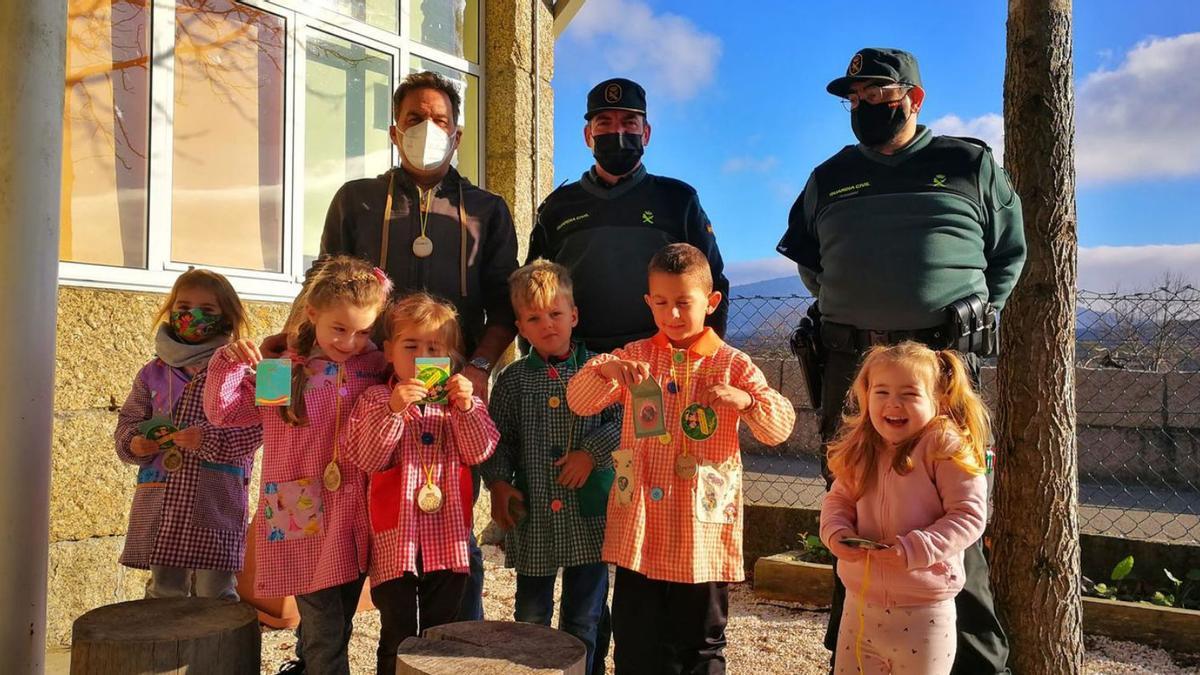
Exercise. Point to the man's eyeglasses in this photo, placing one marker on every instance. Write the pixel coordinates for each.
(875, 94)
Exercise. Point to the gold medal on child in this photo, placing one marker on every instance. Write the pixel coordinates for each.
(685, 467)
(172, 460)
(332, 478)
(422, 246)
(429, 498)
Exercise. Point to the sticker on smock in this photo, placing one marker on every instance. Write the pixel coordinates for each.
(273, 382)
(623, 481)
(717, 489)
(647, 409)
(433, 372)
(293, 509)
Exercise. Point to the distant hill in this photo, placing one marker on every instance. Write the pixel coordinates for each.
(757, 318)
(771, 287)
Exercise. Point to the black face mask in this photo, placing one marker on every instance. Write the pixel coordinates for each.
(617, 153)
(876, 124)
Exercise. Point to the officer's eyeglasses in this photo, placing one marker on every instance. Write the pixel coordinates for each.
(875, 94)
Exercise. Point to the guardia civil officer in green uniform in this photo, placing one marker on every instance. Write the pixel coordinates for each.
(907, 236)
(606, 226)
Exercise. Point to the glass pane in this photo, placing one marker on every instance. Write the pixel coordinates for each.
(449, 25)
(105, 132)
(466, 160)
(348, 103)
(227, 198)
(378, 13)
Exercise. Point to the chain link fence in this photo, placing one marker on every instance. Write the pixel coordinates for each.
(1137, 399)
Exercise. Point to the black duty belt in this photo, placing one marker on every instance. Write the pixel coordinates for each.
(841, 337)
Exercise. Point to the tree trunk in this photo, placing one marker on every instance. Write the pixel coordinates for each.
(1036, 526)
(492, 648)
(197, 636)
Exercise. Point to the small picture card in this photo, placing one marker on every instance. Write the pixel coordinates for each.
(623, 481)
(647, 409)
(273, 382)
(865, 544)
(158, 427)
(434, 371)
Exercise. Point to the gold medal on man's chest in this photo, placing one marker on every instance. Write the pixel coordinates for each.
(422, 247)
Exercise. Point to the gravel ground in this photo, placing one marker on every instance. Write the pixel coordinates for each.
(764, 637)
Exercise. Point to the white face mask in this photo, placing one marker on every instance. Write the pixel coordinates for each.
(426, 146)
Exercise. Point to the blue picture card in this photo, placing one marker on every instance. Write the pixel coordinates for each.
(274, 382)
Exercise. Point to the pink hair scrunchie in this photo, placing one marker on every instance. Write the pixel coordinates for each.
(383, 279)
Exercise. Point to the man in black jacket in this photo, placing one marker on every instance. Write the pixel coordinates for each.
(606, 226)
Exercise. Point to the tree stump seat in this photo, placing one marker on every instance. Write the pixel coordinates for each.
(196, 636)
(492, 648)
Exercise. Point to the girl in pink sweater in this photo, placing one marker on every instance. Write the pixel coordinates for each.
(311, 528)
(909, 495)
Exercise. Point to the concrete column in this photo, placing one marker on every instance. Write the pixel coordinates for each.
(511, 132)
(31, 66)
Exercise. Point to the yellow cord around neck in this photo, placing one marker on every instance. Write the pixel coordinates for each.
(862, 622)
(424, 203)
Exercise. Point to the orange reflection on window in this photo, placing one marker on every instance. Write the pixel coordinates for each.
(227, 171)
(105, 133)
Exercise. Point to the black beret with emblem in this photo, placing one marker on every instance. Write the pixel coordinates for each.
(878, 63)
(616, 94)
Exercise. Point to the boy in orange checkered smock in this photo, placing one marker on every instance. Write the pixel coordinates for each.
(675, 511)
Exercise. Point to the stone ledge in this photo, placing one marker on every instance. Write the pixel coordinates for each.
(780, 577)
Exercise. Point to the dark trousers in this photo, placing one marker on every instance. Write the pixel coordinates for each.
(411, 604)
(471, 607)
(583, 612)
(328, 619)
(982, 644)
(662, 627)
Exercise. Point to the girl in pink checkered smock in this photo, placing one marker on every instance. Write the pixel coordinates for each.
(418, 455)
(311, 525)
(188, 520)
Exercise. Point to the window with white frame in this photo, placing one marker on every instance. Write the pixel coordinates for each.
(215, 132)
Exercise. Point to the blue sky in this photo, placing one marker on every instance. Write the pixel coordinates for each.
(739, 110)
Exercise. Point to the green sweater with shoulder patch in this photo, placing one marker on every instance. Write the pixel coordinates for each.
(886, 242)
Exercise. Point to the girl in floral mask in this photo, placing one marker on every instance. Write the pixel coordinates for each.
(188, 521)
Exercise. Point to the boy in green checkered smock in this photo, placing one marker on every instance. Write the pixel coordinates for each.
(552, 470)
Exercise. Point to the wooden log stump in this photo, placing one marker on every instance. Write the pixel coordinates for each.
(196, 636)
(492, 648)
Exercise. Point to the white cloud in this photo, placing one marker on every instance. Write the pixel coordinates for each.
(750, 164)
(666, 53)
(988, 128)
(1139, 120)
(1136, 268)
(1103, 269)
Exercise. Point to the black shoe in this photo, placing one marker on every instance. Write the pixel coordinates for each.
(293, 667)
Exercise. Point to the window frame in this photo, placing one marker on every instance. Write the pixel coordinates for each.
(300, 20)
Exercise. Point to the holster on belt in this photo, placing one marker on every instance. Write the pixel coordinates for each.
(973, 326)
(806, 345)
